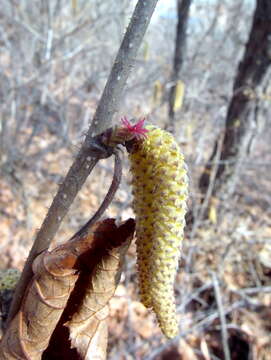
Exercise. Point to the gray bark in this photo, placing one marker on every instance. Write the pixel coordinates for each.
(241, 124)
(183, 7)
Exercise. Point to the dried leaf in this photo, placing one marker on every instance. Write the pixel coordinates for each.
(157, 93)
(186, 351)
(212, 214)
(146, 51)
(142, 320)
(178, 96)
(29, 332)
(49, 293)
(204, 349)
(189, 132)
(94, 309)
(86, 310)
(265, 256)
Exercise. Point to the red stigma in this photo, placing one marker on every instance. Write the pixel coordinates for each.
(137, 130)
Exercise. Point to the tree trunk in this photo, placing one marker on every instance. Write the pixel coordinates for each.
(180, 45)
(241, 121)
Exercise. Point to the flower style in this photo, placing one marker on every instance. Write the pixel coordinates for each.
(137, 131)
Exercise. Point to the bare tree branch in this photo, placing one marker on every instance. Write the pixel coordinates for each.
(223, 321)
(108, 197)
(85, 162)
(183, 7)
(241, 124)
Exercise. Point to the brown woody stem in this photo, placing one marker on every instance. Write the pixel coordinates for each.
(109, 196)
(84, 163)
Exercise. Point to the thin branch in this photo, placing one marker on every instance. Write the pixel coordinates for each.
(210, 189)
(199, 326)
(84, 162)
(255, 290)
(224, 332)
(108, 197)
(183, 7)
(123, 64)
(193, 295)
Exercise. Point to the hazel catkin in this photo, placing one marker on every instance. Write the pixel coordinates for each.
(160, 188)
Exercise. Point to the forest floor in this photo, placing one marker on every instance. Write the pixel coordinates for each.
(224, 280)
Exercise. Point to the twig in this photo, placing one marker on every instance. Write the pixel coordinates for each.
(108, 197)
(84, 162)
(122, 67)
(210, 189)
(194, 295)
(204, 323)
(224, 332)
(256, 290)
(252, 302)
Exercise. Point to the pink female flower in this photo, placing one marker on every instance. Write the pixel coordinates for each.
(137, 131)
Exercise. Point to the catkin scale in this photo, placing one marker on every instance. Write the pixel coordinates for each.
(160, 186)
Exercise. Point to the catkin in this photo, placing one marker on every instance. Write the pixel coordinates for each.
(160, 187)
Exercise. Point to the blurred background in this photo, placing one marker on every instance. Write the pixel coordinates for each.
(203, 72)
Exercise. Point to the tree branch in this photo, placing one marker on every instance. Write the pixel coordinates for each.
(108, 197)
(85, 162)
(222, 316)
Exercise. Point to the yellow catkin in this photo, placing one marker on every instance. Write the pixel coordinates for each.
(160, 189)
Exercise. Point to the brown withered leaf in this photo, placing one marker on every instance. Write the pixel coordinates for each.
(46, 297)
(69, 291)
(93, 311)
